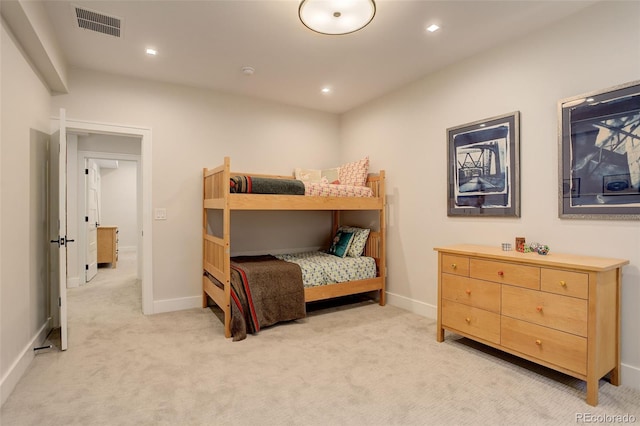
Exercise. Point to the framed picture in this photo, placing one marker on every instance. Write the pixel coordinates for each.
(484, 170)
(599, 152)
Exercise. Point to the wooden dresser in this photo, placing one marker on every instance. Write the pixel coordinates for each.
(558, 310)
(108, 245)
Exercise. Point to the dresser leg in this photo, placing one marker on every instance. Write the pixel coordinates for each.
(614, 377)
(440, 335)
(592, 392)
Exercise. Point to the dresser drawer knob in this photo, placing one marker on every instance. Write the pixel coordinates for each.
(468, 291)
(501, 273)
(538, 342)
(563, 283)
(454, 266)
(539, 308)
(468, 320)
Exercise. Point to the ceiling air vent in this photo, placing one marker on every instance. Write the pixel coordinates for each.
(98, 22)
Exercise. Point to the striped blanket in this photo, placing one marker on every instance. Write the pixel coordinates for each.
(259, 185)
(264, 291)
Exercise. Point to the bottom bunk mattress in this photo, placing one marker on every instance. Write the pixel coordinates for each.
(264, 291)
(319, 268)
(269, 289)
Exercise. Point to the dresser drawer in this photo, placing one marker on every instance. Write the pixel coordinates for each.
(458, 265)
(472, 321)
(563, 313)
(505, 273)
(468, 291)
(558, 348)
(575, 284)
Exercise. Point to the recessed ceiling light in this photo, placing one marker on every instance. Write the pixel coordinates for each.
(152, 52)
(433, 28)
(326, 90)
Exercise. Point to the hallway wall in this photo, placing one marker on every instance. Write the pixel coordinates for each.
(24, 130)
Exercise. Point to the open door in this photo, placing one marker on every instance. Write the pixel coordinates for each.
(92, 218)
(58, 227)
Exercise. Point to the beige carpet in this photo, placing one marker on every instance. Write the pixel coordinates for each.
(355, 364)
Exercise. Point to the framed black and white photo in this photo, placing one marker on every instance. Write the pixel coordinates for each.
(484, 171)
(599, 151)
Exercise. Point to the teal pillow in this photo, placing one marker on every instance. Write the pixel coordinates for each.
(360, 236)
(341, 243)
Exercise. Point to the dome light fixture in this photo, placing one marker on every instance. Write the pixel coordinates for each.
(336, 17)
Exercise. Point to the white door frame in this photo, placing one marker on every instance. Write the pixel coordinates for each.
(83, 156)
(145, 158)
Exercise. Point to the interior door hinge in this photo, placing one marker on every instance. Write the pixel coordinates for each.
(86, 218)
(86, 171)
(86, 267)
(59, 302)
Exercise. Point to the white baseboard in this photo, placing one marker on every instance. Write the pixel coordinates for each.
(20, 365)
(630, 376)
(182, 303)
(411, 305)
(73, 282)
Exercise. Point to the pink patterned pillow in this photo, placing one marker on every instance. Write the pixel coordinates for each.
(355, 173)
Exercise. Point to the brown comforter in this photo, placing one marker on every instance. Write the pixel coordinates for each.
(264, 291)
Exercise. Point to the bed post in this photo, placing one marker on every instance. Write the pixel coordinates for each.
(204, 231)
(226, 235)
(383, 237)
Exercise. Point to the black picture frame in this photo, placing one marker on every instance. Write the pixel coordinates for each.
(599, 154)
(484, 167)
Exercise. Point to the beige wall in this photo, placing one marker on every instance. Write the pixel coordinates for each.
(24, 129)
(193, 129)
(118, 202)
(405, 132)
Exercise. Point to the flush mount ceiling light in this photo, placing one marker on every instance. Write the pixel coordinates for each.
(336, 17)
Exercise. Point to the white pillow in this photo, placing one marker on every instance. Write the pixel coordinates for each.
(318, 176)
(330, 175)
(308, 175)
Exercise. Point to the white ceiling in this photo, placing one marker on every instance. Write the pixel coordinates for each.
(207, 43)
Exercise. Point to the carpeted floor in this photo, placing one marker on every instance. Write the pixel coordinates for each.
(350, 364)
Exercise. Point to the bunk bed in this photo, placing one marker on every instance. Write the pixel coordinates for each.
(217, 260)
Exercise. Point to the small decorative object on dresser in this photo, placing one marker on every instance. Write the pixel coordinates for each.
(560, 310)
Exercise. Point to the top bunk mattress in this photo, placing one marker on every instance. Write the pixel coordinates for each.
(319, 268)
(244, 184)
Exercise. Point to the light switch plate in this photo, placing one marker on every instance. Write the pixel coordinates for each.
(160, 214)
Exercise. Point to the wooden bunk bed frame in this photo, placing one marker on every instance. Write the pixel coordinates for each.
(217, 251)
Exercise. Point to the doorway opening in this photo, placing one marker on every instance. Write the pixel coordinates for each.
(130, 147)
(109, 205)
